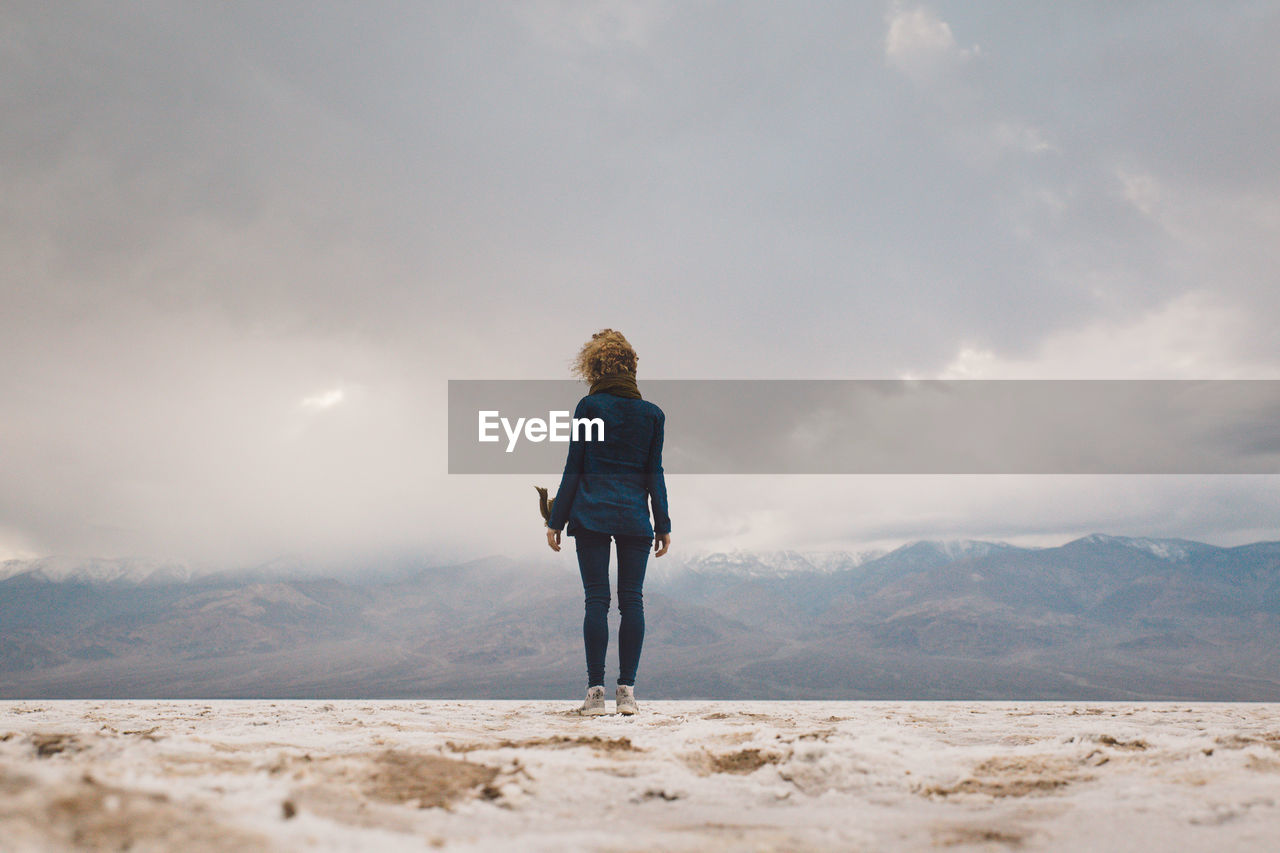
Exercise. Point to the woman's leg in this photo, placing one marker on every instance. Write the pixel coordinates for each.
(593, 565)
(633, 556)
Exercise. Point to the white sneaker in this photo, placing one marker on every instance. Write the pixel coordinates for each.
(593, 705)
(626, 699)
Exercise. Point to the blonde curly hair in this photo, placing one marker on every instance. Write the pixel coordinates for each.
(607, 352)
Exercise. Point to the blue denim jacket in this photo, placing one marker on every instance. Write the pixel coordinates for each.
(608, 485)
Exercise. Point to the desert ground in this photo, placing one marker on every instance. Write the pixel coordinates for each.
(680, 775)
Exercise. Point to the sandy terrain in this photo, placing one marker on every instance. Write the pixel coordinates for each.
(682, 775)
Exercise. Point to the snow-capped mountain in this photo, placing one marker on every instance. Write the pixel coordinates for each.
(1173, 550)
(63, 568)
(744, 564)
(928, 620)
(931, 553)
(775, 563)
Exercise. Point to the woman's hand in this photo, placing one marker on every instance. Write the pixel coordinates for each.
(553, 539)
(661, 543)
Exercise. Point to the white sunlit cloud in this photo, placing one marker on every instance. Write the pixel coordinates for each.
(922, 47)
(1191, 336)
(323, 400)
(1140, 190)
(1196, 214)
(920, 44)
(1020, 137)
(1220, 237)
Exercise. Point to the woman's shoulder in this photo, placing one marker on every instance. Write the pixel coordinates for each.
(654, 408)
(604, 402)
(649, 410)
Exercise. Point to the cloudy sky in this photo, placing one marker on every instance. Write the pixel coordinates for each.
(245, 245)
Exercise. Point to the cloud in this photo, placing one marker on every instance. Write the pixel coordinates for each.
(1016, 135)
(875, 511)
(323, 400)
(1142, 191)
(1202, 217)
(1195, 335)
(921, 45)
(1213, 236)
(213, 213)
(593, 24)
(14, 546)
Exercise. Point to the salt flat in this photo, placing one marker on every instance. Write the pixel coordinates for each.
(681, 775)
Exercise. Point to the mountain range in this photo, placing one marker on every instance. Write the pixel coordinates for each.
(1100, 617)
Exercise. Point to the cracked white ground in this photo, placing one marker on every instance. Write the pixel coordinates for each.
(680, 775)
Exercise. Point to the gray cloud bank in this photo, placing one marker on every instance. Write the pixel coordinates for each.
(245, 246)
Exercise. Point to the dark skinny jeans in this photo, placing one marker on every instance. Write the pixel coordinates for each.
(593, 564)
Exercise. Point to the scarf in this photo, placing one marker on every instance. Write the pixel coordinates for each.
(618, 384)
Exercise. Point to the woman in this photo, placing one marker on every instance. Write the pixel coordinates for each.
(605, 493)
